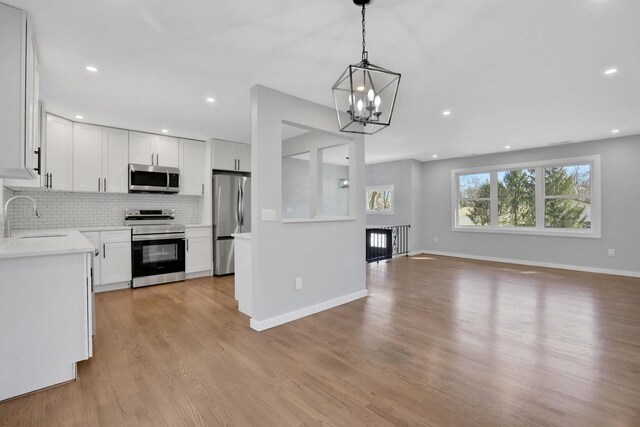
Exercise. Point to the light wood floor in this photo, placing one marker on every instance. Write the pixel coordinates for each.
(439, 341)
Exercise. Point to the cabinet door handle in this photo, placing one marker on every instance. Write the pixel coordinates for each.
(151, 159)
(39, 168)
(203, 189)
(238, 164)
(104, 250)
(98, 185)
(187, 245)
(51, 180)
(157, 159)
(104, 187)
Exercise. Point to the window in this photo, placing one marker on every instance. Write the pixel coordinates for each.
(559, 197)
(567, 196)
(517, 198)
(475, 201)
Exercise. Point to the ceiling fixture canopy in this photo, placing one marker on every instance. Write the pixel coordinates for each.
(365, 94)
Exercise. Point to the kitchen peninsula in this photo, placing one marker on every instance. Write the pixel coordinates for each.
(46, 309)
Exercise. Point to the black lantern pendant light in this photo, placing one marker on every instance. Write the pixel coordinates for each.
(365, 94)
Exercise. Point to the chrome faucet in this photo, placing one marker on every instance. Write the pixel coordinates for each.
(7, 227)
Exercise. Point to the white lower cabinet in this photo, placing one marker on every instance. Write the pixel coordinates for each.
(112, 266)
(199, 254)
(46, 310)
(94, 238)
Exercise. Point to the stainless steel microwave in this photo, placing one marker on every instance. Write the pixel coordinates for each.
(153, 179)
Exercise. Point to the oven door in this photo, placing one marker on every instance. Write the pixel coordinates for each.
(157, 258)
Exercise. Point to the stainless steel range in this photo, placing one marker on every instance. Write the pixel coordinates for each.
(157, 246)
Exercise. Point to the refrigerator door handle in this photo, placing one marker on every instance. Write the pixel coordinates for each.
(242, 204)
(238, 205)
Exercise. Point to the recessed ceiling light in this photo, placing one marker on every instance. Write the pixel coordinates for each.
(446, 113)
(434, 156)
(615, 131)
(91, 68)
(611, 71)
(165, 131)
(79, 117)
(507, 147)
(360, 88)
(212, 100)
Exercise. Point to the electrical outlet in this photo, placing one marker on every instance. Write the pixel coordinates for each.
(289, 210)
(435, 240)
(612, 252)
(298, 283)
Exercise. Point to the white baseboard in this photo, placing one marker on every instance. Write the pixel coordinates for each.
(111, 287)
(197, 274)
(261, 325)
(536, 263)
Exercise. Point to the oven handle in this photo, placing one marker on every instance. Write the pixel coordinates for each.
(163, 236)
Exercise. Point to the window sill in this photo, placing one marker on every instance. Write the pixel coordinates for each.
(319, 219)
(534, 232)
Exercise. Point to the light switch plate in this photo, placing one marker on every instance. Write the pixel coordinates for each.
(268, 215)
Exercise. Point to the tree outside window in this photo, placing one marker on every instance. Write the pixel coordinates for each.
(475, 199)
(567, 197)
(565, 201)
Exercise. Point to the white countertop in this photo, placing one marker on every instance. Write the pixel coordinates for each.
(111, 228)
(65, 242)
(197, 225)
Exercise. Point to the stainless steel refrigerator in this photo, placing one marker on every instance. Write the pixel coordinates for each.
(231, 214)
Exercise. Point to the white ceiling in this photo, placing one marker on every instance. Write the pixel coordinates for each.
(522, 73)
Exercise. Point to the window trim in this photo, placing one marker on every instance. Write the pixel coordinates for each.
(539, 229)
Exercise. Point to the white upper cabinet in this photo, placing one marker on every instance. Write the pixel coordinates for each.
(87, 158)
(244, 157)
(223, 155)
(100, 159)
(192, 173)
(167, 151)
(141, 148)
(40, 181)
(59, 154)
(19, 80)
(231, 156)
(149, 149)
(115, 160)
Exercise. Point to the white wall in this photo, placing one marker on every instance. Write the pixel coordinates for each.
(329, 256)
(295, 188)
(3, 199)
(406, 177)
(620, 163)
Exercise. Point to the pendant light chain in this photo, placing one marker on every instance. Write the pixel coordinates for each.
(365, 56)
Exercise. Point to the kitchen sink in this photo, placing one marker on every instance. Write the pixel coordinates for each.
(41, 236)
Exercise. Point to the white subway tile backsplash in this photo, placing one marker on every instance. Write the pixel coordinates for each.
(6, 194)
(75, 210)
